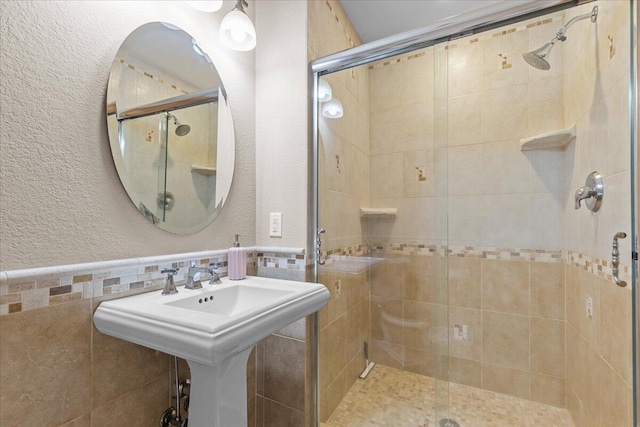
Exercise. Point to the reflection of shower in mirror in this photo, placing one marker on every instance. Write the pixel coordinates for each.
(181, 129)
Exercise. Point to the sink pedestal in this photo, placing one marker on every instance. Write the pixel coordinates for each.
(218, 395)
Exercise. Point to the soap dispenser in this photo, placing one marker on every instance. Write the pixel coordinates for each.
(237, 261)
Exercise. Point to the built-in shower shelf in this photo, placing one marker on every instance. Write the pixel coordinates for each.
(378, 212)
(555, 140)
(203, 170)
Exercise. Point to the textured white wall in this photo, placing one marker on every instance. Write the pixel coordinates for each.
(61, 200)
(281, 121)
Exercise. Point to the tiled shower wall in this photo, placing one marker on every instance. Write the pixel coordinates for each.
(596, 99)
(344, 143)
(67, 373)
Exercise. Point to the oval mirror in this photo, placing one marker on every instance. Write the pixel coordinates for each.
(170, 128)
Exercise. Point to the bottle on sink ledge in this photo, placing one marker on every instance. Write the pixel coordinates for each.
(237, 261)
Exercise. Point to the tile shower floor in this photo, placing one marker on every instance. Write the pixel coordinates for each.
(391, 397)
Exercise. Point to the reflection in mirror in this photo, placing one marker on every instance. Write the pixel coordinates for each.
(170, 128)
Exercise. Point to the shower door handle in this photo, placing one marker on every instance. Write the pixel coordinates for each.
(615, 259)
(319, 234)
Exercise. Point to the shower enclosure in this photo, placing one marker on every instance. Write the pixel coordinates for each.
(466, 286)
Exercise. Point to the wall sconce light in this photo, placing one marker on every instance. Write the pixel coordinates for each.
(236, 30)
(324, 91)
(332, 109)
(206, 6)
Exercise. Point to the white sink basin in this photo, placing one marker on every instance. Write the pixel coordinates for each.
(214, 329)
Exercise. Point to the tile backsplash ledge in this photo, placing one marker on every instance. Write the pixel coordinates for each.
(29, 289)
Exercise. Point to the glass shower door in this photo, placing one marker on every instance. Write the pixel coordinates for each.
(382, 203)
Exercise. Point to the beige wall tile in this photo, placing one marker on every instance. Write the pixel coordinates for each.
(418, 78)
(49, 370)
(547, 346)
(574, 406)
(417, 127)
(357, 288)
(386, 320)
(139, 407)
(575, 359)
(464, 229)
(419, 361)
(387, 354)
(386, 175)
(574, 306)
(546, 226)
(464, 371)
(505, 113)
(614, 400)
(358, 328)
(465, 170)
(417, 324)
(547, 289)
(387, 278)
(471, 348)
(284, 361)
(337, 305)
(505, 169)
(505, 380)
(276, 414)
(548, 390)
(332, 351)
(506, 220)
(546, 112)
(83, 421)
(385, 87)
(419, 278)
(120, 366)
(505, 340)
(615, 328)
(505, 286)
(330, 399)
(465, 281)
(464, 70)
(465, 120)
(384, 130)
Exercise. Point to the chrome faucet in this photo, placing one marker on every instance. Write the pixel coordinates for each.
(169, 285)
(212, 270)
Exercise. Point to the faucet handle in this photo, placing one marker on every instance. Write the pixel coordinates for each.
(192, 264)
(170, 271)
(215, 276)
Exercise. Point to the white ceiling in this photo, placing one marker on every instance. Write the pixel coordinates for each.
(376, 19)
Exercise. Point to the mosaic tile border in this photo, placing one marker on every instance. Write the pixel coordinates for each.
(344, 30)
(30, 289)
(596, 266)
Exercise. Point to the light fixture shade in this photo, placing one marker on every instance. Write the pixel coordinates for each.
(206, 6)
(332, 109)
(324, 91)
(237, 31)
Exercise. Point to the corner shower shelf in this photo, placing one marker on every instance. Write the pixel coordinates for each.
(378, 212)
(555, 140)
(203, 170)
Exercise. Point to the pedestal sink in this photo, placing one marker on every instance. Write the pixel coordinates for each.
(214, 329)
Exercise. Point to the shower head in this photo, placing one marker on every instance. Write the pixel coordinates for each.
(181, 129)
(537, 58)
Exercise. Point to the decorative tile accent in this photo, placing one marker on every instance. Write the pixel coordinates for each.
(503, 61)
(612, 47)
(63, 284)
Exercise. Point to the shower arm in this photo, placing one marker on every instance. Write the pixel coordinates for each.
(593, 15)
